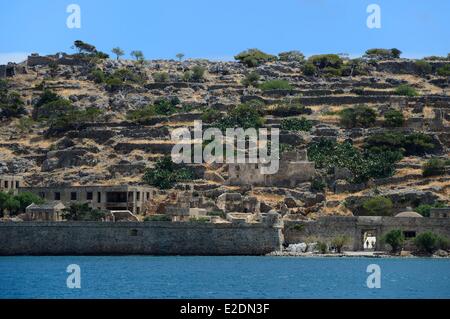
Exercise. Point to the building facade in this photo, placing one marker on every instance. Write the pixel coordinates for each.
(294, 168)
(122, 197)
(10, 183)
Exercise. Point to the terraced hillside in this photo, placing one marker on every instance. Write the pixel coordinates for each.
(370, 129)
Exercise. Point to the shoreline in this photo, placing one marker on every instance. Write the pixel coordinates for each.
(352, 254)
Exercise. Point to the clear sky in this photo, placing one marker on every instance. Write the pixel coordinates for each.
(218, 29)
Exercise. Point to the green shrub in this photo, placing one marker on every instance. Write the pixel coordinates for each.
(423, 67)
(409, 145)
(429, 242)
(198, 73)
(244, 116)
(141, 114)
(378, 206)
(309, 69)
(25, 124)
(98, 76)
(11, 104)
(323, 61)
(383, 53)
(318, 185)
(165, 107)
(211, 115)
(329, 154)
(296, 124)
(339, 242)
(393, 118)
(199, 219)
(355, 67)
(166, 174)
(406, 90)
(47, 96)
(275, 85)
(330, 72)
(291, 56)
(114, 84)
(444, 70)
(360, 116)
(424, 209)
(433, 167)
(251, 79)
(322, 247)
(395, 238)
(161, 77)
(254, 57)
(157, 218)
(82, 212)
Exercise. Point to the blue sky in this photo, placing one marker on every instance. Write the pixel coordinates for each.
(218, 29)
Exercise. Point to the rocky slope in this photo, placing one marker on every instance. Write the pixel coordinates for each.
(112, 150)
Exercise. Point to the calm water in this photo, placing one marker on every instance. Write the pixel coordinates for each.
(222, 277)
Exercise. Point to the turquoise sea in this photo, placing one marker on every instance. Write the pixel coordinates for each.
(222, 277)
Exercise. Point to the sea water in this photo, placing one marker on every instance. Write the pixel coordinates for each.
(222, 277)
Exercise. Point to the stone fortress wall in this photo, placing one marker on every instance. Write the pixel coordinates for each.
(327, 228)
(193, 238)
(140, 238)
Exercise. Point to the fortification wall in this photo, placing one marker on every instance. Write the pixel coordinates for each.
(327, 228)
(129, 238)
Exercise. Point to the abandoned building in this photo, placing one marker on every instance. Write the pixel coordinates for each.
(58, 58)
(294, 168)
(123, 197)
(11, 69)
(10, 183)
(49, 211)
(442, 212)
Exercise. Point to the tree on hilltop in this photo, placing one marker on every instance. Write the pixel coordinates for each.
(118, 52)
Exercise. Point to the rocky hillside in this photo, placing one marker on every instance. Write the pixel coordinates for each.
(127, 109)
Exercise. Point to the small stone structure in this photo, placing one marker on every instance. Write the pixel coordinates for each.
(49, 211)
(294, 168)
(122, 197)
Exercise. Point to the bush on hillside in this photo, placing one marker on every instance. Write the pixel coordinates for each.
(433, 167)
(406, 90)
(296, 124)
(394, 118)
(378, 206)
(166, 174)
(254, 57)
(360, 116)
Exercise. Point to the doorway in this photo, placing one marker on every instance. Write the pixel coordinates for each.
(369, 239)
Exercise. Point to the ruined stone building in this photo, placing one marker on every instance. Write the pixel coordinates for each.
(294, 168)
(49, 211)
(123, 197)
(10, 183)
